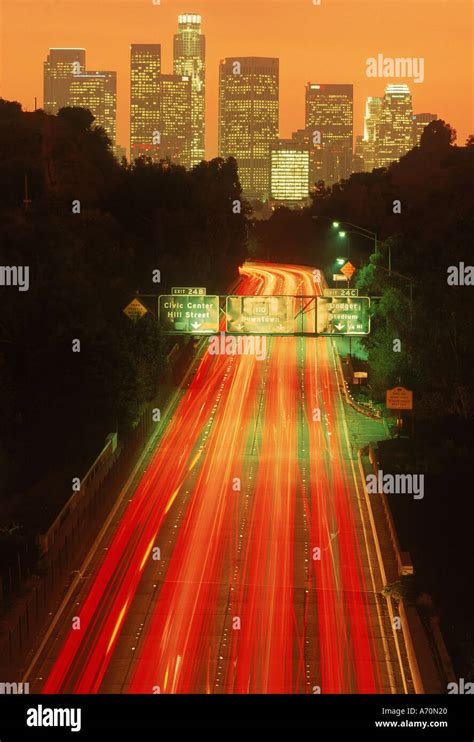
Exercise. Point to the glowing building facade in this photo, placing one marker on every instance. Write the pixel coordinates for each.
(372, 119)
(248, 118)
(97, 91)
(329, 119)
(394, 131)
(289, 174)
(59, 70)
(145, 69)
(175, 125)
(189, 52)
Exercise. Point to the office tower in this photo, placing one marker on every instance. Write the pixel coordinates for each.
(145, 68)
(359, 155)
(395, 129)
(189, 52)
(329, 116)
(305, 137)
(289, 175)
(248, 118)
(174, 116)
(59, 69)
(420, 122)
(97, 91)
(373, 113)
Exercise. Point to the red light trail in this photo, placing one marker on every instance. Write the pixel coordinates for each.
(243, 605)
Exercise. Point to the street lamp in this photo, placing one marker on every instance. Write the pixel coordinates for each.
(362, 232)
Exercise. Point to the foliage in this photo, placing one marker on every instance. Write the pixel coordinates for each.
(57, 406)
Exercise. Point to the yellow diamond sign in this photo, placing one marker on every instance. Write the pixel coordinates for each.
(348, 270)
(135, 310)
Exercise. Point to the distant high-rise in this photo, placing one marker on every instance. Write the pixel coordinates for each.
(189, 47)
(305, 137)
(420, 122)
(248, 118)
(395, 130)
(97, 91)
(145, 68)
(373, 113)
(358, 159)
(59, 70)
(289, 181)
(174, 117)
(329, 116)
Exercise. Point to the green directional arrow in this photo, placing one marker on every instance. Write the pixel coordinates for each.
(343, 315)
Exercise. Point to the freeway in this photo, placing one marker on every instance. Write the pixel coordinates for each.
(243, 560)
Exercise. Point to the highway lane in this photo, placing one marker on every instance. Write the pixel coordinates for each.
(275, 585)
(267, 579)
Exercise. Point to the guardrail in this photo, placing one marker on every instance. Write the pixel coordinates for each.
(62, 546)
(404, 562)
(88, 486)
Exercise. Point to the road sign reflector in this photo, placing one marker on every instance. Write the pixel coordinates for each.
(348, 269)
(135, 310)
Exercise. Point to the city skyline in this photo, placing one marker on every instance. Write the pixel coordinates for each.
(343, 63)
(167, 116)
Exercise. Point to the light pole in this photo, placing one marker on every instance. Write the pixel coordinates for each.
(361, 231)
(368, 236)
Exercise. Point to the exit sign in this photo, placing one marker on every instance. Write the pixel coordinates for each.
(184, 291)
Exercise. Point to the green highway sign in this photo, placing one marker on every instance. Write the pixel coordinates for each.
(188, 315)
(183, 291)
(269, 315)
(342, 315)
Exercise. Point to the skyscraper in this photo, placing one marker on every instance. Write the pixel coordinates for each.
(359, 155)
(394, 132)
(305, 137)
(289, 180)
(189, 52)
(59, 69)
(373, 113)
(420, 122)
(97, 91)
(145, 68)
(329, 115)
(174, 117)
(248, 118)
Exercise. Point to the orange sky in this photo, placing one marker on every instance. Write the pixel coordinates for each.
(328, 43)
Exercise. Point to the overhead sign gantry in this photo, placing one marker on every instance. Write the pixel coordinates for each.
(198, 314)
